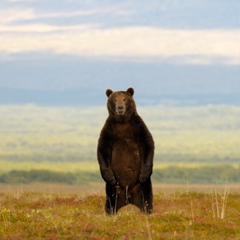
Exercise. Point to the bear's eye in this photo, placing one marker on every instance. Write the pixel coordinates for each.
(115, 99)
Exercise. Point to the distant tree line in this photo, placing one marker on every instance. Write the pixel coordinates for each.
(208, 174)
(37, 176)
(203, 175)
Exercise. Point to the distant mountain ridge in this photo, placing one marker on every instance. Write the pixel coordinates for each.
(89, 97)
(66, 80)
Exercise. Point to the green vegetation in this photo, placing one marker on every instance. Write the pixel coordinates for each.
(37, 176)
(218, 174)
(182, 134)
(30, 215)
(58, 145)
(193, 144)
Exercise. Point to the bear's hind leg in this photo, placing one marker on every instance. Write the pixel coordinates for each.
(147, 196)
(109, 206)
(141, 196)
(111, 195)
(115, 199)
(135, 196)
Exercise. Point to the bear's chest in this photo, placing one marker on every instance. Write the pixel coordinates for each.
(126, 157)
(124, 139)
(123, 132)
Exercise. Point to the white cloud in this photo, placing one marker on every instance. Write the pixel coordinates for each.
(11, 15)
(188, 46)
(42, 29)
(93, 11)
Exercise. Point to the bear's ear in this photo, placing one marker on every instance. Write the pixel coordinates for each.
(109, 92)
(130, 91)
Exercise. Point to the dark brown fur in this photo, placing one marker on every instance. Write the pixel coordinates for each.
(125, 155)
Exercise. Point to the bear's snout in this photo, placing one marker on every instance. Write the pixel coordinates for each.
(120, 109)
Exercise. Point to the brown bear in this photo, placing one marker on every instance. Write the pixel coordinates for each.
(125, 155)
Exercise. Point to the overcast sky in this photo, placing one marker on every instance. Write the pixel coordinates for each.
(36, 36)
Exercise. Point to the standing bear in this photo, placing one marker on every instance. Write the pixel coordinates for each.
(125, 155)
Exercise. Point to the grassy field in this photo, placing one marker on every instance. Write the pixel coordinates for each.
(181, 134)
(203, 140)
(63, 140)
(91, 166)
(212, 213)
(82, 172)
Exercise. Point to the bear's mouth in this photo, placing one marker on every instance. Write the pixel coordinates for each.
(120, 112)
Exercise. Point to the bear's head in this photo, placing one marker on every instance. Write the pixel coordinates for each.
(121, 104)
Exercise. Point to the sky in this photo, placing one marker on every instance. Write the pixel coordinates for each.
(71, 50)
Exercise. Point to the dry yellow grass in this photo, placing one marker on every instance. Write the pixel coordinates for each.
(99, 188)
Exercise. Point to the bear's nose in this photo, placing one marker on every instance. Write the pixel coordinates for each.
(120, 109)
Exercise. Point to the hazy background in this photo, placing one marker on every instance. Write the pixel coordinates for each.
(58, 57)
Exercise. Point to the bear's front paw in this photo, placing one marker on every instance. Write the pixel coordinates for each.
(108, 176)
(142, 178)
(110, 179)
(145, 173)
